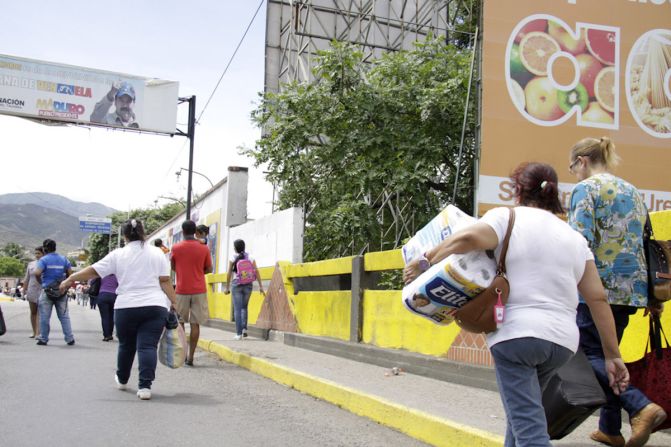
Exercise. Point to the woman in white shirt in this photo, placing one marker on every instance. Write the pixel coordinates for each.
(547, 264)
(144, 296)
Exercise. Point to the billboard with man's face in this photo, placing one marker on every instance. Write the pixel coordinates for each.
(64, 93)
(557, 71)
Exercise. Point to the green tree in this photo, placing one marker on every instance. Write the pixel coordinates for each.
(334, 145)
(14, 250)
(11, 267)
(152, 219)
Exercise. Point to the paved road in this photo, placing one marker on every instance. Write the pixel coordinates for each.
(62, 395)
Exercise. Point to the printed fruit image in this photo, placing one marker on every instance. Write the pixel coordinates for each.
(541, 100)
(589, 70)
(601, 44)
(576, 97)
(566, 40)
(535, 25)
(517, 70)
(518, 95)
(595, 114)
(604, 89)
(535, 51)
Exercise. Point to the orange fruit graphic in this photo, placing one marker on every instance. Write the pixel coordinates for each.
(604, 88)
(602, 45)
(536, 48)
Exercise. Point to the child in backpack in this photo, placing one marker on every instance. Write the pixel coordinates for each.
(246, 272)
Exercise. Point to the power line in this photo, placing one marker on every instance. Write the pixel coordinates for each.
(230, 60)
(249, 25)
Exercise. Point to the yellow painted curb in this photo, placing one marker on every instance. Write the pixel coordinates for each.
(5, 299)
(430, 429)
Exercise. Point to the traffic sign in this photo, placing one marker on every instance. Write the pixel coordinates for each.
(95, 224)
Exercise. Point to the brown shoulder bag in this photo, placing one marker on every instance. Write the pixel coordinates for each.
(478, 315)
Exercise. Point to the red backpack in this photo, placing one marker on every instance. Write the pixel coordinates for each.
(245, 271)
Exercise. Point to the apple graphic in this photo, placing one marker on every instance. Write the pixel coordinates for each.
(589, 70)
(566, 40)
(596, 114)
(541, 100)
(534, 25)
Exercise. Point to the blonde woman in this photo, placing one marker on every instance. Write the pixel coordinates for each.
(609, 212)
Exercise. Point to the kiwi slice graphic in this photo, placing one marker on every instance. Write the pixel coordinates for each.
(576, 97)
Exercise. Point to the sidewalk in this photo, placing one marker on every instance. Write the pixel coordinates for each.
(437, 412)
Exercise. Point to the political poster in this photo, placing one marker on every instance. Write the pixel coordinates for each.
(60, 93)
(557, 71)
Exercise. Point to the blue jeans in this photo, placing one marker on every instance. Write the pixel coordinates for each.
(106, 308)
(632, 399)
(241, 294)
(139, 329)
(45, 306)
(523, 368)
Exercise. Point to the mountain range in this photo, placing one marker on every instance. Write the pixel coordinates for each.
(29, 218)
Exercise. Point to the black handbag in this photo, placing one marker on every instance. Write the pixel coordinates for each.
(657, 257)
(3, 326)
(571, 396)
(52, 291)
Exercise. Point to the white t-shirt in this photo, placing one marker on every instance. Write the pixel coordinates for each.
(137, 268)
(545, 262)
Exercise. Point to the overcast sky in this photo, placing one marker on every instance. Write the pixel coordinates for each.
(189, 42)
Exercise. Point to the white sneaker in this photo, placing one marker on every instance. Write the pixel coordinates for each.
(237, 337)
(119, 385)
(144, 393)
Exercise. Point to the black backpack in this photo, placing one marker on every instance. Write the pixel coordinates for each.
(94, 287)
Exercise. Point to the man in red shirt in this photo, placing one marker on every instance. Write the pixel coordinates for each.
(191, 260)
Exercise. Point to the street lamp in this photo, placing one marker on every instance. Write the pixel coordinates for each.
(178, 173)
(170, 198)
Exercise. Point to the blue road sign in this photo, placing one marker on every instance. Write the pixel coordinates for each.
(95, 224)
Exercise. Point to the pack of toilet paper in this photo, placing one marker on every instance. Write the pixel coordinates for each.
(437, 293)
(450, 220)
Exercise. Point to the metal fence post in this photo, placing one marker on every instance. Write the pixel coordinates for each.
(356, 309)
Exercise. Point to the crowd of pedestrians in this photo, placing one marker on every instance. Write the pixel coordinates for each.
(574, 284)
(133, 289)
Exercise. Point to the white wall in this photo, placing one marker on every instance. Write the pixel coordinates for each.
(278, 237)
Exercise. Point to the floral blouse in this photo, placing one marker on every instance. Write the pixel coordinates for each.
(610, 214)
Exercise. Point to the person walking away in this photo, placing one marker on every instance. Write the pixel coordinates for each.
(144, 296)
(246, 271)
(92, 294)
(79, 293)
(106, 299)
(52, 269)
(610, 213)
(547, 264)
(191, 260)
(32, 291)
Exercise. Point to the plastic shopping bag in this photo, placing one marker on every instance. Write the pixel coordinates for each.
(172, 347)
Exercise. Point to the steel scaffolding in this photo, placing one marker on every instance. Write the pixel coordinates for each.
(296, 30)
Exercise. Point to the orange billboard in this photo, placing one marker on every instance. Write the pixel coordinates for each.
(557, 71)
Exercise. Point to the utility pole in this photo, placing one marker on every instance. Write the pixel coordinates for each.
(191, 136)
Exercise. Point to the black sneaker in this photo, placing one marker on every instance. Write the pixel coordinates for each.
(70, 343)
(41, 343)
(244, 333)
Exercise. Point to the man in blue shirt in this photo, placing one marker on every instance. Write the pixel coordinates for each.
(53, 268)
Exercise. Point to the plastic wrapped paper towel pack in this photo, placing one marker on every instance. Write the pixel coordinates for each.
(450, 220)
(437, 293)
